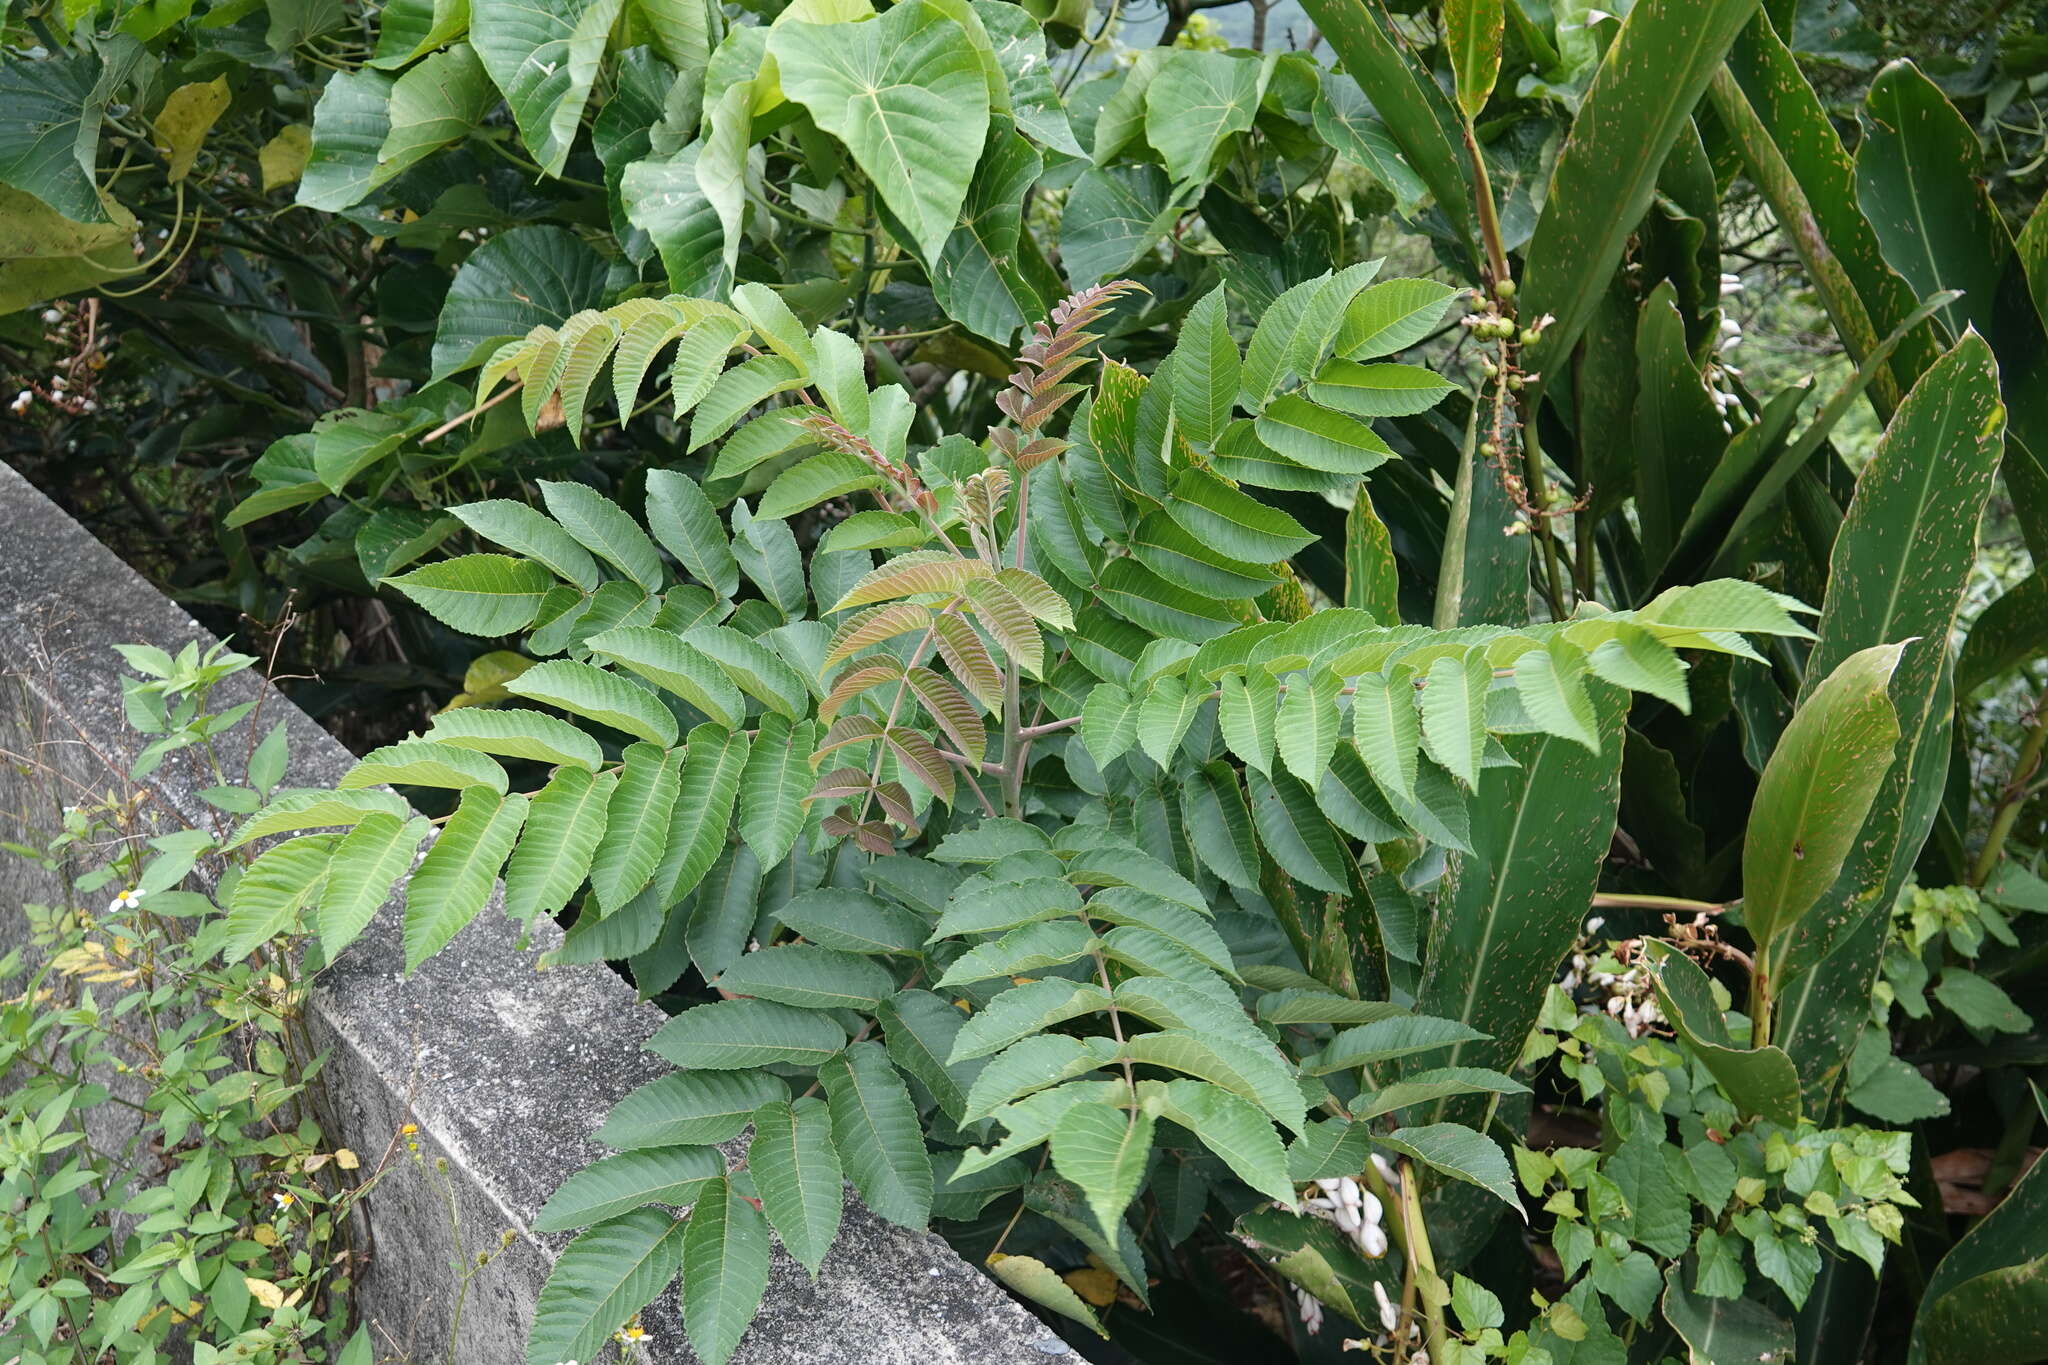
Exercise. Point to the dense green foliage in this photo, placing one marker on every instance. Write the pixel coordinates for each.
(1096, 629)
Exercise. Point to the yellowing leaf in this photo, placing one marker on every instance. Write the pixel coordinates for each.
(1096, 1286)
(264, 1292)
(283, 158)
(188, 115)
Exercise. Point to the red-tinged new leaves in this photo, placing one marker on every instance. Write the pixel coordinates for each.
(952, 711)
(841, 783)
(896, 804)
(847, 730)
(968, 657)
(873, 626)
(857, 681)
(920, 571)
(1010, 621)
(921, 758)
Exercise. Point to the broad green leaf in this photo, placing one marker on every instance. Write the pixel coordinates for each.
(1247, 711)
(1114, 215)
(906, 94)
(1761, 1081)
(1024, 950)
(350, 124)
(1197, 100)
(1228, 1126)
(1438, 1084)
(367, 863)
(773, 786)
(1816, 790)
(712, 767)
(1384, 1039)
(1032, 1064)
(831, 474)
(1025, 1010)
(1346, 120)
(1552, 685)
(1258, 1075)
(602, 1278)
(1104, 1150)
(522, 278)
(853, 922)
(663, 198)
(880, 1139)
(1163, 718)
(594, 694)
(1418, 117)
(636, 824)
(1293, 829)
(1219, 824)
(545, 60)
(1149, 601)
(758, 670)
(425, 763)
(619, 1184)
(983, 907)
(455, 878)
(1233, 521)
(977, 279)
(605, 530)
(1984, 1298)
(484, 595)
(797, 1171)
(810, 977)
(1308, 725)
(688, 1107)
(516, 732)
(1321, 438)
(1719, 1329)
(563, 829)
(737, 1035)
(1294, 334)
(437, 102)
(725, 1269)
(919, 1029)
(1386, 729)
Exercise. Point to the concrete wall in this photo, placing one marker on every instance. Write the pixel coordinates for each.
(507, 1070)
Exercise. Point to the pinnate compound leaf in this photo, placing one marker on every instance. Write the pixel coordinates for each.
(590, 692)
(690, 1107)
(636, 824)
(517, 733)
(725, 1270)
(1024, 1010)
(618, 1184)
(737, 1035)
(1456, 1151)
(797, 1171)
(1232, 1128)
(1103, 1149)
(485, 595)
(604, 1277)
(367, 863)
(810, 977)
(424, 763)
(532, 534)
(878, 1133)
(563, 829)
(1031, 1278)
(455, 878)
(1257, 1075)
(674, 664)
(297, 810)
(688, 527)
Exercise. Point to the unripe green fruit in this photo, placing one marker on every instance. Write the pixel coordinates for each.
(1504, 289)
(1529, 336)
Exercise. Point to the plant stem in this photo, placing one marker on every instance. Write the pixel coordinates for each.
(1421, 1260)
(2026, 765)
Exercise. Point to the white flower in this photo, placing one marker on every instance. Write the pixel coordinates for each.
(127, 900)
(52, 316)
(284, 1199)
(1372, 1240)
(1311, 1310)
(1389, 1315)
(1730, 284)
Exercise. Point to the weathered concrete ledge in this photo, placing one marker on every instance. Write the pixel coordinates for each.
(506, 1070)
